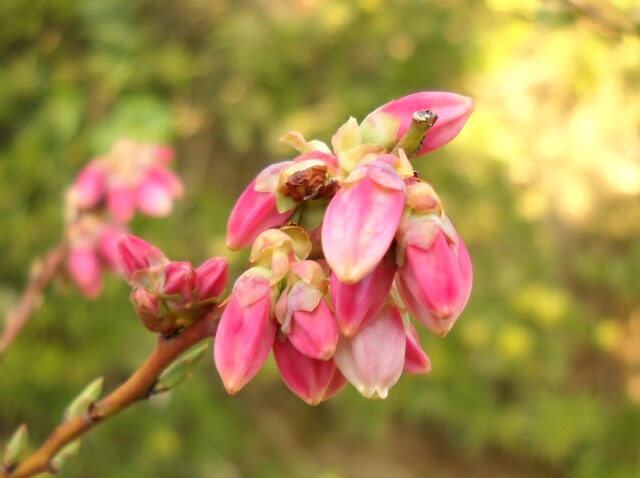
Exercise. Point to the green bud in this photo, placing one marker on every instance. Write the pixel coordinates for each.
(64, 456)
(16, 447)
(84, 400)
(180, 370)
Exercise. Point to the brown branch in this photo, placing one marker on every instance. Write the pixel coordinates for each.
(30, 300)
(136, 388)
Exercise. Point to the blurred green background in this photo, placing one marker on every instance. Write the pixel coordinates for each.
(541, 375)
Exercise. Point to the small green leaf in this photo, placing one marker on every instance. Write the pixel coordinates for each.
(16, 447)
(64, 456)
(84, 400)
(180, 370)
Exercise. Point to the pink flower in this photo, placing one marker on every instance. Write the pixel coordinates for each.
(85, 268)
(435, 279)
(390, 122)
(373, 359)
(246, 330)
(362, 219)
(312, 380)
(311, 327)
(257, 209)
(357, 304)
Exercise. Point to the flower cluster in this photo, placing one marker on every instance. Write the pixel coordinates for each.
(168, 296)
(103, 200)
(346, 242)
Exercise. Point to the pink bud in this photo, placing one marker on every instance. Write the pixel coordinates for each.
(212, 278)
(373, 359)
(146, 305)
(245, 332)
(121, 201)
(357, 304)
(136, 254)
(254, 213)
(416, 361)
(312, 380)
(90, 186)
(314, 332)
(361, 220)
(84, 267)
(390, 122)
(156, 192)
(435, 281)
(180, 279)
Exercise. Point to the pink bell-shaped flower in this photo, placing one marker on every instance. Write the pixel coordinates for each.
(373, 359)
(357, 304)
(85, 269)
(311, 327)
(257, 208)
(435, 279)
(246, 330)
(311, 379)
(390, 122)
(362, 219)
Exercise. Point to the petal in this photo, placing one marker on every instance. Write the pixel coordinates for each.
(84, 267)
(359, 226)
(90, 185)
(390, 122)
(356, 304)
(255, 212)
(311, 379)
(373, 359)
(416, 361)
(315, 333)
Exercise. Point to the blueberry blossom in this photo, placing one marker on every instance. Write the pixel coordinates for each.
(348, 243)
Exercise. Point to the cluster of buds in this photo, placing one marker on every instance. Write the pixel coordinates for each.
(346, 244)
(169, 296)
(105, 197)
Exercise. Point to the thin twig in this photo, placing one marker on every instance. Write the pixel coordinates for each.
(619, 25)
(136, 388)
(31, 298)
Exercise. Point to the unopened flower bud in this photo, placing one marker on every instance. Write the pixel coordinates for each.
(136, 254)
(180, 279)
(212, 278)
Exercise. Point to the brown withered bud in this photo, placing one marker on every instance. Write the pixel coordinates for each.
(310, 183)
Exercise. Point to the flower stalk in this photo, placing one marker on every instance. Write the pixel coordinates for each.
(137, 388)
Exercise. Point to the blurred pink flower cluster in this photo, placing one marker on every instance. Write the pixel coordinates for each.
(103, 200)
(346, 243)
(167, 295)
